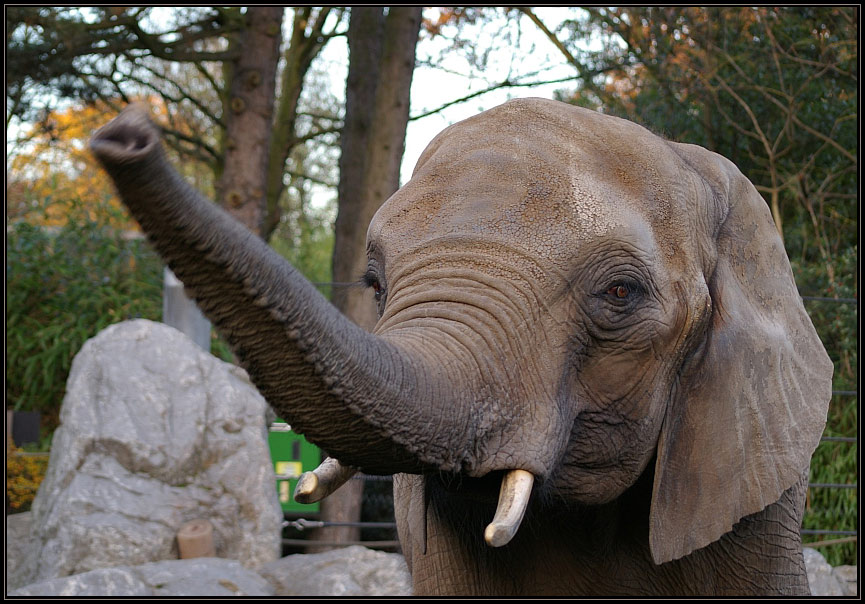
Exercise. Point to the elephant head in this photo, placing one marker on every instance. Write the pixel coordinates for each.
(565, 299)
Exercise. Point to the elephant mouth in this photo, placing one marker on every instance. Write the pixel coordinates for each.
(514, 489)
(509, 490)
(483, 490)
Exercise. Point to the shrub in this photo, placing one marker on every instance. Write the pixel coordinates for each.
(63, 285)
(24, 474)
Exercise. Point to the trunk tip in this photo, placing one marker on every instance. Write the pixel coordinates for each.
(128, 137)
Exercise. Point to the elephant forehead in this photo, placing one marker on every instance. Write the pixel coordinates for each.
(544, 186)
(492, 193)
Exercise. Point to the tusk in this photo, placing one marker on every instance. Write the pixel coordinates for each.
(321, 482)
(513, 500)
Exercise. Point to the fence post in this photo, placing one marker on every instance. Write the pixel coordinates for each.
(180, 312)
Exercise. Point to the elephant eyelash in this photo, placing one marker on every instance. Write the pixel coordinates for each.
(370, 280)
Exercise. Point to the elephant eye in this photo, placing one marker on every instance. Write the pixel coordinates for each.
(623, 292)
(619, 291)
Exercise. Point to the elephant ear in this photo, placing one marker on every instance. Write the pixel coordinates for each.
(749, 413)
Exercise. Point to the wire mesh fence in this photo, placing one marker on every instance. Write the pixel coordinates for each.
(833, 504)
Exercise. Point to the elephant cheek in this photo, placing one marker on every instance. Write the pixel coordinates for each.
(602, 461)
(623, 384)
(614, 433)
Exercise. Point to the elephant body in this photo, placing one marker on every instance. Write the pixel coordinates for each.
(601, 321)
(594, 551)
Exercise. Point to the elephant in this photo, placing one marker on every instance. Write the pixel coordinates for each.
(592, 373)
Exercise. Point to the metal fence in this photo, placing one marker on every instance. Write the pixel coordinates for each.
(375, 534)
(831, 537)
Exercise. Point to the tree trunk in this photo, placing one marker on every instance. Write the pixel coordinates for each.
(377, 104)
(248, 116)
(382, 55)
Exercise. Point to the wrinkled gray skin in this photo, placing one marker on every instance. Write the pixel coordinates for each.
(560, 292)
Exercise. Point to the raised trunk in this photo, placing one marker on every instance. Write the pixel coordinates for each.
(345, 389)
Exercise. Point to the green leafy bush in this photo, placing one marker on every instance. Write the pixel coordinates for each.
(63, 285)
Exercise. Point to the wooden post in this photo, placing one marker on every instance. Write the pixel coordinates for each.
(195, 540)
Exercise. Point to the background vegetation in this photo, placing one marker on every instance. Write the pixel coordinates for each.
(63, 285)
(773, 89)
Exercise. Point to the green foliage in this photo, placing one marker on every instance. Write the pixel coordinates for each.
(311, 252)
(835, 322)
(833, 508)
(63, 285)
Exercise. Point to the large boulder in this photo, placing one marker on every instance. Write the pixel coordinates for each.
(154, 432)
(349, 571)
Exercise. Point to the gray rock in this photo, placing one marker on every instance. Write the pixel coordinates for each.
(17, 542)
(115, 582)
(820, 577)
(213, 577)
(154, 432)
(349, 571)
(848, 578)
(203, 577)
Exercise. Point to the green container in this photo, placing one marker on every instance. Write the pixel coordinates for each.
(292, 456)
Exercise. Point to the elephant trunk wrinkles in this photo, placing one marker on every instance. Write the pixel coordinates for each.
(348, 391)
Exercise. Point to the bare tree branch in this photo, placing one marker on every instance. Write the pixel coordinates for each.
(792, 114)
(317, 181)
(316, 133)
(553, 38)
(186, 95)
(166, 51)
(503, 84)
